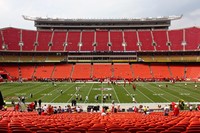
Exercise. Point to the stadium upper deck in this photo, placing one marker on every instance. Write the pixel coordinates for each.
(93, 35)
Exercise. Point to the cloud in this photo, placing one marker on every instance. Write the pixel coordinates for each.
(11, 10)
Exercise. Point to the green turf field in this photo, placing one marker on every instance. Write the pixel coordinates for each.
(145, 92)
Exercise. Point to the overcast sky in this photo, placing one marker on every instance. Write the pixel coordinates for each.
(11, 11)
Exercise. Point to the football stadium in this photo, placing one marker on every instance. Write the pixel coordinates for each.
(100, 76)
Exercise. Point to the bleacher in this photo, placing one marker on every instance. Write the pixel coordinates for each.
(102, 71)
(82, 71)
(182, 39)
(31, 122)
(62, 71)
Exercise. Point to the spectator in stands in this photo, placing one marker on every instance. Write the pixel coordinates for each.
(176, 110)
(13, 103)
(23, 99)
(145, 110)
(190, 107)
(166, 110)
(135, 109)
(110, 96)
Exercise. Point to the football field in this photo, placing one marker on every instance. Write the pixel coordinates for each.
(64, 92)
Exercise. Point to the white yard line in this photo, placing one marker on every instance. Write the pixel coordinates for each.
(63, 92)
(75, 92)
(89, 92)
(115, 94)
(167, 92)
(145, 95)
(156, 93)
(185, 90)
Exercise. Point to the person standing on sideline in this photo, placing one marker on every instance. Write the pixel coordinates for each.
(40, 102)
(86, 98)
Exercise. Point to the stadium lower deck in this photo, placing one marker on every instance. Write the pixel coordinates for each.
(31, 122)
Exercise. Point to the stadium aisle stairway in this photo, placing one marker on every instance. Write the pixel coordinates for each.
(31, 122)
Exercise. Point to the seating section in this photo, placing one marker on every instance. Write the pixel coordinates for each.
(87, 40)
(62, 71)
(1, 40)
(29, 122)
(131, 40)
(176, 39)
(102, 41)
(192, 38)
(177, 71)
(81, 71)
(122, 71)
(27, 71)
(12, 37)
(102, 71)
(160, 71)
(193, 72)
(146, 40)
(28, 38)
(116, 39)
(141, 71)
(160, 37)
(58, 41)
(43, 71)
(44, 38)
(11, 70)
(73, 40)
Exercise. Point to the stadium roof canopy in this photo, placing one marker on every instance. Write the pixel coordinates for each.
(95, 24)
